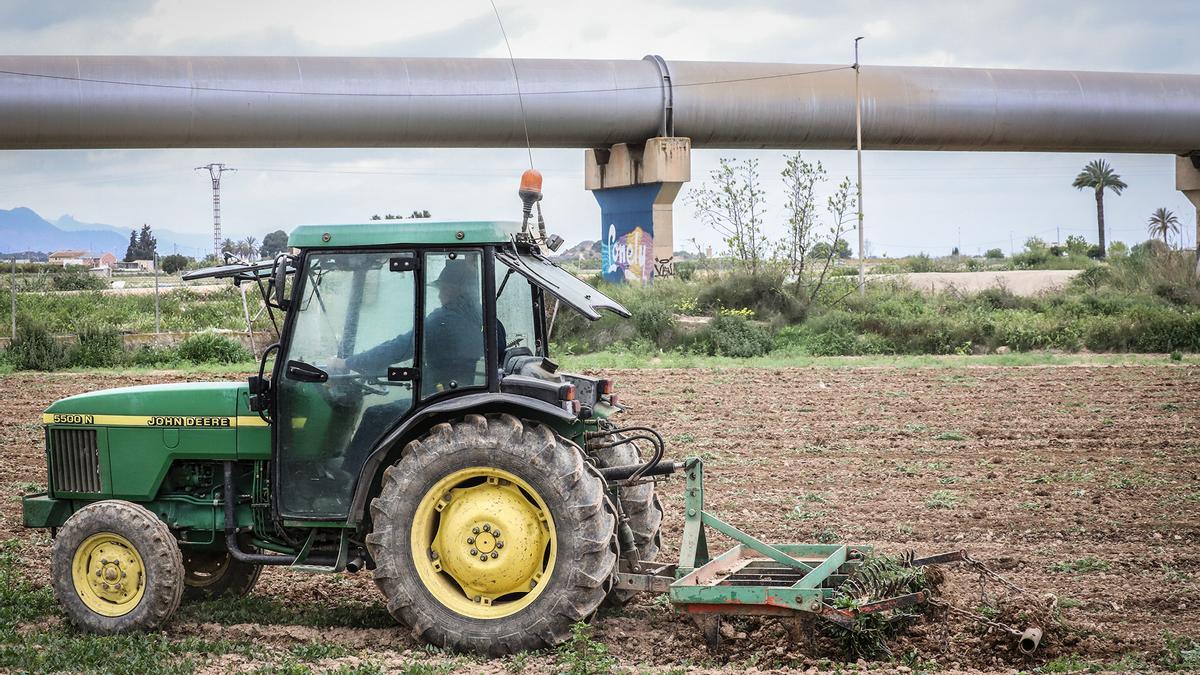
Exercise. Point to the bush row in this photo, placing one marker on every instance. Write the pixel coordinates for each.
(1143, 303)
(102, 347)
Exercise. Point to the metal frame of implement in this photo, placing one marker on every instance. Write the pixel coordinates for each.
(754, 577)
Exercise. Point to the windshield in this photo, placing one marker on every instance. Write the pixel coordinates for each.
(560, 283)
(515, 311)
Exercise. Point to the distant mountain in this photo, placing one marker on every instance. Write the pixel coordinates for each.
(169, 241)
(584, 250)
(22, 229)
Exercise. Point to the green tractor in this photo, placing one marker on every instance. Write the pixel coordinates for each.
(409, 421)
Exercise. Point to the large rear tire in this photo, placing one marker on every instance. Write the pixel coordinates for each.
(116, 568)
(493, 535)
(642, 510)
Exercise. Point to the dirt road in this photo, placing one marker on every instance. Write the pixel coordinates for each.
(1020, 282)
(1080, 481)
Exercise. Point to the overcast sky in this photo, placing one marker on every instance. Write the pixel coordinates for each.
(914, 201)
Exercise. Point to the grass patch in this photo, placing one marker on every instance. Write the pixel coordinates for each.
(265, 610)
(950, 436)
(1081, 566)
(943, 499)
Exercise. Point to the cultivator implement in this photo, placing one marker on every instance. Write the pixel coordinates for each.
(836, 583)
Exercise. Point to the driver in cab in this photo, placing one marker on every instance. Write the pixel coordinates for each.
(453, 336)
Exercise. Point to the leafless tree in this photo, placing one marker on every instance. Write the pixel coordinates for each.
(733, 204)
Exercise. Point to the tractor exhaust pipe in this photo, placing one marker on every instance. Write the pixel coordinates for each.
(1030, 640)
(231, 540)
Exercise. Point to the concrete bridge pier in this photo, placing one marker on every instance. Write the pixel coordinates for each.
(1187, 181)
(636, 186)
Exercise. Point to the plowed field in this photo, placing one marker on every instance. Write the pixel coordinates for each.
(1077, 481)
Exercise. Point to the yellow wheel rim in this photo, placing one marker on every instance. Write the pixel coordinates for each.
(108, 574)
(483, 542)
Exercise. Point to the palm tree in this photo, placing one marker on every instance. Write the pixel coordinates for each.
(251, 245)
(1098, 175)
(1163, 222)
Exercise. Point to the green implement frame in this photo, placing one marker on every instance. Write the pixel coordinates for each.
(754, 577)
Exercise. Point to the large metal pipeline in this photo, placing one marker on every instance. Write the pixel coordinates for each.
(166, 102)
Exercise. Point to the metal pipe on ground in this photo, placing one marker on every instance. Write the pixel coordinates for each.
(174, 101)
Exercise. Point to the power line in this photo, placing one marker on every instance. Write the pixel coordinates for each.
(232, 90)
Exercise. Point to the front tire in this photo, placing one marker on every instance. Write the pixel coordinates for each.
(446, 572)
(116, 568)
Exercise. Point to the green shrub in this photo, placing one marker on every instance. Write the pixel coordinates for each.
(212, 348)
(994, 254)
(173, 263)
(765, 294)
(34, 348)
(654, 320)
(99, 346)
(153, 355)
(920, 262)
(731, 335)
(77, 280)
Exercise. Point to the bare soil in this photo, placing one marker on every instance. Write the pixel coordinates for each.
(1031, 469)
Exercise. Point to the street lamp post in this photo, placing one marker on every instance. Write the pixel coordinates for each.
(862, 268)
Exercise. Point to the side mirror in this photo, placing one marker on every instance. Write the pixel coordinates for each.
(281, 266)
(260, 389)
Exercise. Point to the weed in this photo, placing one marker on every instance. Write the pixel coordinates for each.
(950, 436)
(683, 438)
(316, 651)
(943, 499)
(1170, 407)
(1031, 506)
(1069, 603)
(800, 514)
(1180, 652)
(947, 480)
(827, 536)
(1067, 664)
(582, 655)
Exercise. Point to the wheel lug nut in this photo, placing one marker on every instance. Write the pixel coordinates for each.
(486, 527)
(470, 540)
(496, 533)
(474, 530)
(97, 572)
(474, 552)
(499, 544)
(495, 555)
(483, 557)
(532, 583)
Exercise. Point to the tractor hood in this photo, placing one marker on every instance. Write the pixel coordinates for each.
(189, 404)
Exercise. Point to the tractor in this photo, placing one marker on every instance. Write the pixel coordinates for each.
(409, 421)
